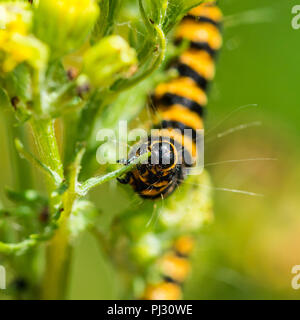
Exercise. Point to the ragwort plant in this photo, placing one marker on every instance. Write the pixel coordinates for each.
(67, 69)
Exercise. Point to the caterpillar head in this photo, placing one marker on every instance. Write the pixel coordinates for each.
(163, 155)
(163, 158)
(160, 174)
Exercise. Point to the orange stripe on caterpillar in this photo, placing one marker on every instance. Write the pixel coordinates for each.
(163, 291)
(184, 87)
(184, 245)
(182, 114)
(174, 267)
(210, 11)
(206, 33)
(192, 57)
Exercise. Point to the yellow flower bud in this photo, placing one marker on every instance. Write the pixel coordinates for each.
(107, 61)
(65, 24)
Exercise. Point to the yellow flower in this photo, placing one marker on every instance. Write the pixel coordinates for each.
(16, 43)
(15, 17)
(25, 48)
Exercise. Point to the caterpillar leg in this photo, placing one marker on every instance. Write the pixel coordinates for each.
(126, 162)
(123, 161)
(126, 178)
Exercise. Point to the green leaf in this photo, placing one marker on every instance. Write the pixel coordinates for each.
(176, 10)
(150, 56)
(17, 86)
(166, 13)
(4, 99)
(33, 160)
(28, 197)
(107, 19)
(21, 211)
(18, 83)
(32, 240)
(157, 10)
(88, 114)
(56, 76)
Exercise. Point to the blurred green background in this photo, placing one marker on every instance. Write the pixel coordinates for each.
(250, 249)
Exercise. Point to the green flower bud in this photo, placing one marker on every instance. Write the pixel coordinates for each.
(65, 24)
(83, 216)
(107, 61)
(147, 248)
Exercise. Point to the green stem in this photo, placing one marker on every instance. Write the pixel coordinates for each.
(58, 258)
(59, 219)
(96, 181)
(44, 136)
(21, 169)
(88, 116)
(70, 130)
(59, 250)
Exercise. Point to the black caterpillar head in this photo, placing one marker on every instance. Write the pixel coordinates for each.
(163, 158)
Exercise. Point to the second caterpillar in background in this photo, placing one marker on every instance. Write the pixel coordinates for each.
(174, 267)
(180, 105)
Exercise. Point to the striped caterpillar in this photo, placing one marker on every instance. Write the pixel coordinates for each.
(174, 266)
(180, 105)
